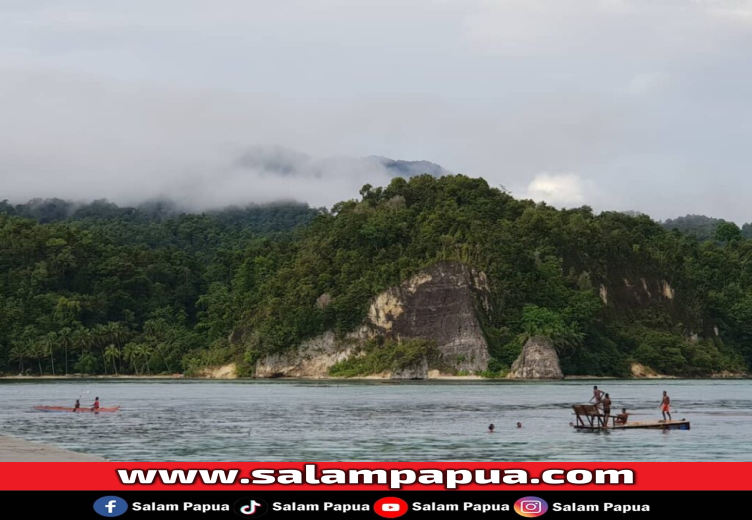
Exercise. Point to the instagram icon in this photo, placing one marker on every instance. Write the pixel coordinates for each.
(530, 507)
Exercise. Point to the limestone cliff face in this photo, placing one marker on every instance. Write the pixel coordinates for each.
(439, 304)
(538, 360)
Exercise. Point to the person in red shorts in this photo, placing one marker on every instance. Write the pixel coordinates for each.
(666, 406)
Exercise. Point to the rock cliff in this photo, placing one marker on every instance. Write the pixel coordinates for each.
(438, 304)
(538, 360)
(313, 358)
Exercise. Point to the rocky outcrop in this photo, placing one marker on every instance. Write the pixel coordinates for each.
(538, 360)
(313, 358)
(641, 371)
(416, 371)
(438, 304)
(229, 371)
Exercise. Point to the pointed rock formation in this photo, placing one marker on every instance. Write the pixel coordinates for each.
(538, 360)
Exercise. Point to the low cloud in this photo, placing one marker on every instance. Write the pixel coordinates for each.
(559, 189)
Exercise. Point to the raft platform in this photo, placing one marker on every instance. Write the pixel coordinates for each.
(590, 417)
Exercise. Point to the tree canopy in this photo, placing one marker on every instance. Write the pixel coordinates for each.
(103, 289)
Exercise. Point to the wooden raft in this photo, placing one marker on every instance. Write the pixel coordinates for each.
(590, 417)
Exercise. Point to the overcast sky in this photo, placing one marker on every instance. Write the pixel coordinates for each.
(618, 104)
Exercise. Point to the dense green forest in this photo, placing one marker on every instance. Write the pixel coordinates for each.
(703, 228)
(102, 289)
(97, 288)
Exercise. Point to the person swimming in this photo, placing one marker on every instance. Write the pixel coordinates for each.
(491, 428)
(519, 425)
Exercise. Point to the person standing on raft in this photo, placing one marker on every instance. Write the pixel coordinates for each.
(606, 409)
(597, 395)
(666, 406)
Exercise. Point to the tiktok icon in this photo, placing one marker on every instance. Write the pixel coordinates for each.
(251, 507)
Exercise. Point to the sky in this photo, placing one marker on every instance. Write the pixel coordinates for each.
(637, 105)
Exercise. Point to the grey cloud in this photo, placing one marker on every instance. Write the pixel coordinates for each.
(619, 104)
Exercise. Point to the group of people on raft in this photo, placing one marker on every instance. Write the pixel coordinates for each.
(601, 399)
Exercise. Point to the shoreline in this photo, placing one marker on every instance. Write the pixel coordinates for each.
(95, 376)
(69, 377)
(13, 449)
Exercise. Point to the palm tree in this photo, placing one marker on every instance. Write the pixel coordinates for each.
(36, 351)
(117, 333)
(19, 353)
(159, 348)
(65, 339)
(101, 336)
(84, 339)
(50, 343)
(144, 353)
(111, 353)
(130, 353)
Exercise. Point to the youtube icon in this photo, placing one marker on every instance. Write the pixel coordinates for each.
(390, 507)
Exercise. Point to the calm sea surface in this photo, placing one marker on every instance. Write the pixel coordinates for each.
(374, 421)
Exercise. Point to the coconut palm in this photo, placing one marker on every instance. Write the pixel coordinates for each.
(83, 339)
(117, 333)
(19, 353)
(112, 353)
(130, 353)
(145, 352)
(65, 339)
(101, 335)
(36, 351)
(50, 344)
(160, 349)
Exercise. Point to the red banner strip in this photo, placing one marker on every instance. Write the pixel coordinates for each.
(425, 476)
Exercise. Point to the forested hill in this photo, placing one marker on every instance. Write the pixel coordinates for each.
(98, 288)
(706, 228)
(108, 295)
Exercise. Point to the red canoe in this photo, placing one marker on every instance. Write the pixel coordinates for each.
(71, 409)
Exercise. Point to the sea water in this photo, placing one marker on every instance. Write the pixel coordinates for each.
(263, 420)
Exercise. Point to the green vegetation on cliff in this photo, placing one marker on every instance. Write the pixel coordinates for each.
(115, 289)
(379, 356)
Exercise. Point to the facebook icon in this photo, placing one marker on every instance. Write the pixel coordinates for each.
(110, 506)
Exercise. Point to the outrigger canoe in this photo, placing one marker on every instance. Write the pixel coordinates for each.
(71, 409)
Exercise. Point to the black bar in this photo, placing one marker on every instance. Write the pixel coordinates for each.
(332, 504)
